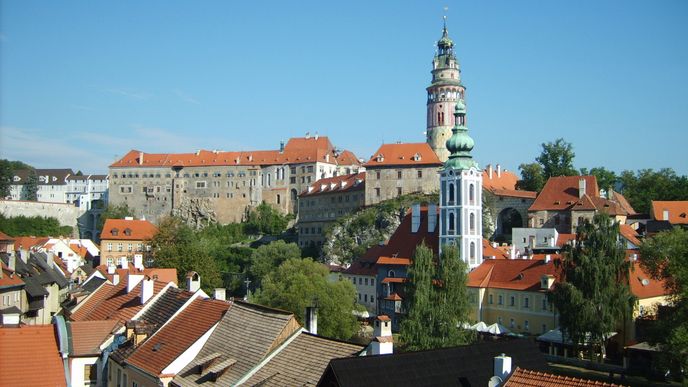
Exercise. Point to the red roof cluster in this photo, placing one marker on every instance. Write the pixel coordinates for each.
(677, 211)
(521, 377)
(128, 230)
(404, 154)
(341, 183)
(561, 192)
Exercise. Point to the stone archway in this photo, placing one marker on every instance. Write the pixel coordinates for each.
(507, 219)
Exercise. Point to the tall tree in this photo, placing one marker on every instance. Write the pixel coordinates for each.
(177, 246)
(645, 185)
(265, 219)
(298, 283)
(267, 257)
(665, 257)
(606, 179)
(31, 186)
(436, 301)
(593, 297)
(556, 159)
(114, 211)
(7, 169)
(532, 177)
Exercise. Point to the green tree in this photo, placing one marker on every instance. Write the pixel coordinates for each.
(267, 257)
(31, 186)
(488, 214)
(7, 169)
(265, 219)
(665, 257)
(298, 283)
(556, 159)
(114, 211)
(606, 179)
(177, 246)
(34, 225)
(532, 177)
(436, 301)
(646, 185)
(593, 297)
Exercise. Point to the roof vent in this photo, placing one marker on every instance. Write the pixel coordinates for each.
(645, 281)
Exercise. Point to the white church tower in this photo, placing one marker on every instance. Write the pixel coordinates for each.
(461, 187)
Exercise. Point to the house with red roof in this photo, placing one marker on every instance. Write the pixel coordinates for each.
(399, 169)
(30, 356)
(126, 238)
(675, 212)
(507, 205)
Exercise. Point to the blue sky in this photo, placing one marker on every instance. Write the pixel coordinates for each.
(84, 82)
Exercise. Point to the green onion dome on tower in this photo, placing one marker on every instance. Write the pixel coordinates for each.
(460, 144)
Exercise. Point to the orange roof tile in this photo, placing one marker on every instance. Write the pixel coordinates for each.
(393, 261)
(156, 353)
(642, 284)
(30, 357)
(123, 229)
(489, 251)
(403, 154)
(5, 238)
(629, 233)
(564, 239)
(678, 211)
(514, 274)
(160, 274)
(354, 181)
(397, 280)
(506, 180)
(514, 193)
(347, 158)
(561, 192)
(393, 297)
(9, 278)
(27, 242)
(526, 378)
(623, 202)
(88, 336)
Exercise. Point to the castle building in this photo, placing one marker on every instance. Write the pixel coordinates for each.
(461, 194)
(444, 92)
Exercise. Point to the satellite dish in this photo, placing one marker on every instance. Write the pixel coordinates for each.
(645, 282)
(495, 381)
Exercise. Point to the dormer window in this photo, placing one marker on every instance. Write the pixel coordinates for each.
(114, 232)
(380, 158)
(127, 231)
(416, 157)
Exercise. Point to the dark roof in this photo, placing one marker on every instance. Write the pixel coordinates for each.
(45, 176)
(92, 284)
(471, 365)
(654, 226)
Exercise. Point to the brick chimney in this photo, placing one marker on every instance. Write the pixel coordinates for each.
(382, 343)
(312, 319)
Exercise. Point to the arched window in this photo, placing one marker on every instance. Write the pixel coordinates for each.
(471, 194)
(390, 274)
(472, 222)
(472, 251)
(278, 199)
(451, 223)
(451, 193)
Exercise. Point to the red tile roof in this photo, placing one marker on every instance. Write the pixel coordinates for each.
(9, 278)
(403, 154)
(527, 378)
(489, 251)
(88, 336)
(622, 201)
(398, 280)
(393, 297)
(561, 192)
(505, 180)
(156, 353)
(347, 158)
(515, 193)
(678, 211)
(160, 274)
(361, 267)
(564, 239)
(343, 183)
(138, 230)
(643, 285)
(513, 274)
(5, 238)
(27, 242)
(393, 261)
(30, 357)
(629, 233)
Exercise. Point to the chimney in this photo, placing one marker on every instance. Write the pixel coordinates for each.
(432, 217)
(665, 215)
(548, 258)
(12, 262)
(220, 294)
(50, 259)
(312, 319)
(489, 171)
(415, 217)
(124, 263)
(138, 261)
(140, 158)
(581, 188)
(133, 280)
(499, 171)
(24, 255)
(128, 218)
(115, 279)
(281, 147)
(316, 136)
(502, 366)
(382, 343)
(111, 269)
(146, 289)
(193, 281)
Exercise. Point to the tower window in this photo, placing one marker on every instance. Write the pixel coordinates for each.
(472, 252)
(451, 194)
(451, 223)
(472, 222)
(471, 194)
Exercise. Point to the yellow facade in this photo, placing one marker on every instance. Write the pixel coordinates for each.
(525, 312)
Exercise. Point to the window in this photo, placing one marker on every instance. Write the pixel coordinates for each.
(109, 247)
(310, 169)
(365, 297)
(513, 301)
(119, 247)
(512, 323)
(360, 281)
(292, 180)
(526, 325)
(119, 377)
(501, 300)
(490, 299)
(366, 282)
(544, 303)
(472, 222)
(526, 302)
(377, 175)
(372, 282)
(200, 184)
(125, 189)
(420, 174)
(451, 223)
(130, 247)
(399, 175)
(377, 192)
(471, 194)
(398, 191)
(472, 251)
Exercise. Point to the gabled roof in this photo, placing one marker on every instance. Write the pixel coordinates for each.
(247, 334)
(29, 242)
(30, 357)
(88, 336)
(347, 158)
(123, 229)
(630, 234)
(561, 192)
(470, 365)
(9, 279)
(45, 176)
(403, 242)
(156, 273)
(166, 345)
(513, 274)
(522, 377)
(678, 211)
(302, 361)
(622, 201)
(343, 183)
(505, 180)
(5, 238)
(404, 154)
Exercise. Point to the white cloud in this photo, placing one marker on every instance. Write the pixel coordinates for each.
(134, 94)
(185, 97)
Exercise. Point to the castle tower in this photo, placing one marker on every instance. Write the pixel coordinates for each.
(461, 187)
(443, 93)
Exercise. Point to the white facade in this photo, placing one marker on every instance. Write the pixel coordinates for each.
(461, 213)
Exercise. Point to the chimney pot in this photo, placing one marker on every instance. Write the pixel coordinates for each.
(312, 319)
(502, 366)
(193, 281)
(146, 289)
(581, 188)
(499, 170)
(220, 294)
(665, 215)
(489, 171)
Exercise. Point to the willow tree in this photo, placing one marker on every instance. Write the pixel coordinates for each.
(436, 301)
(593, 296)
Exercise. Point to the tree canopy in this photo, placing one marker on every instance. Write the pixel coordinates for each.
(606, 179)
(645, 185)
(267, 257)
(265, 219)
(556, 159)
(114, 211)
(300, 282)
(532, 177)
(33, 226)
(436, 301)
(665, 257)
(593, 297)
(7, 169)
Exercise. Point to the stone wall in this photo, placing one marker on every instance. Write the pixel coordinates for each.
(66, 214)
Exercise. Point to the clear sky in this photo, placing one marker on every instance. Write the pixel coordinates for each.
(84, 82)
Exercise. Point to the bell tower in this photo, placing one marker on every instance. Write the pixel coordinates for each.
(461, 188)
(443, 93)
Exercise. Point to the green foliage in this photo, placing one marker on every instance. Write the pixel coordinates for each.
(119, 211)
(265, 219)
(488, 214)
(606, 179)
(436, 301)
(532, 177)
(7, 169)
(350, 236)
(267, 257)
(33, 226)
(298, 283)
(556, 159)
(177, 246)
(593, 297)
(645, 185)
(665, 257)
(30, 189)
